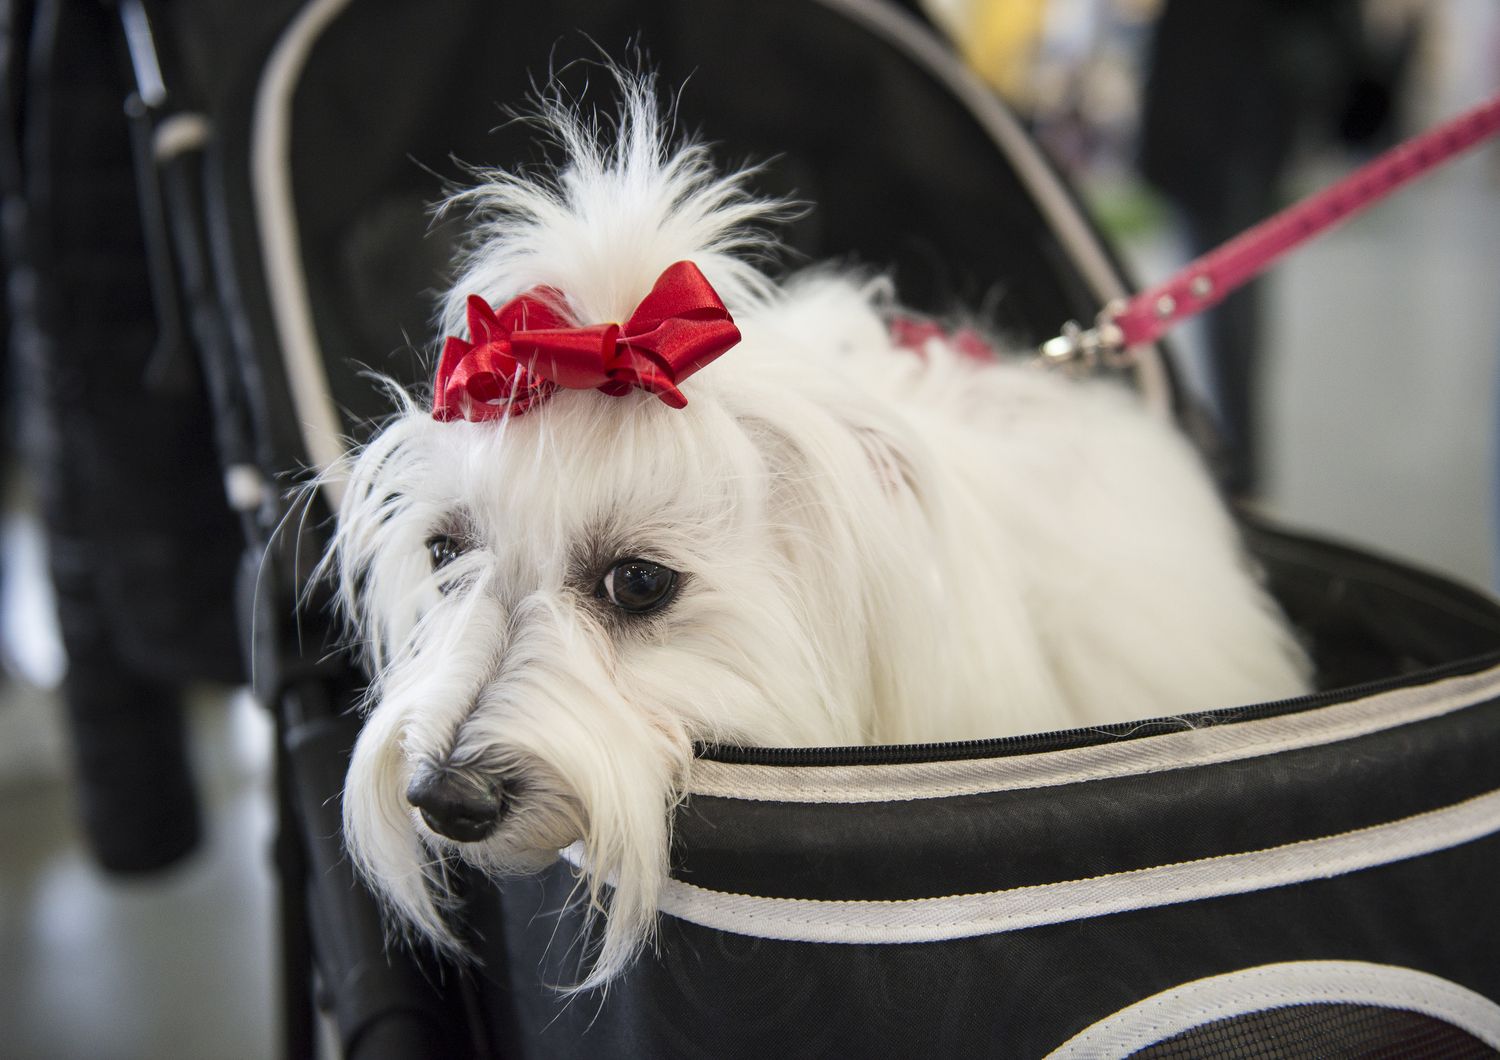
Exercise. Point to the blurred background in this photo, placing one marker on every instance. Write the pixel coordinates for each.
(1356, 387)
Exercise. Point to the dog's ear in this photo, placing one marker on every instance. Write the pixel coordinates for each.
(891, 462)
(864, 464)
(856, 513)
(841, 316)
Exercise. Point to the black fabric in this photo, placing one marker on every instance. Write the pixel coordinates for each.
(119, 431)
(1018, 994)
(137, 797)
(900, 175)
(1073, 832)
(1323, 1032)
(1365, 617)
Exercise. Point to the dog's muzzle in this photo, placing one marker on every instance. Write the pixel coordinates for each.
(457, 804)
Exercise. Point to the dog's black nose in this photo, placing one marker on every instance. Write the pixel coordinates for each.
(458, 805)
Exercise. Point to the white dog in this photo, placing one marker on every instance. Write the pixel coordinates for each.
(564, 580)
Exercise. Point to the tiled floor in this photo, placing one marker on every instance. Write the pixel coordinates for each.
(172, 965)
(1380, 409)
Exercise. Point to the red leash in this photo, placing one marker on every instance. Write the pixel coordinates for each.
(1207, 281)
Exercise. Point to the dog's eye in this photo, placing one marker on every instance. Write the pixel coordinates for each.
(444, 550)
(638, 585)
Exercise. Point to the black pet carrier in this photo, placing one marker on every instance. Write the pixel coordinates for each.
(1314, 877)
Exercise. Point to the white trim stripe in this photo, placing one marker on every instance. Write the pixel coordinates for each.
(1153, 754)
(280, 240)
(178, 134)
(1196, 1004)
(969, 915)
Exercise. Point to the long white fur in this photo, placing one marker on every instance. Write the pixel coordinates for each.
(876, 547)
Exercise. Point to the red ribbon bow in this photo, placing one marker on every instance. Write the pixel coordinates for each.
(519, 355)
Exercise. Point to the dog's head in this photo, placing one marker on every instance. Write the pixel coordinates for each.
(557, 605)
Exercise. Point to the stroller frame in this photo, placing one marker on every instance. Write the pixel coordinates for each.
(236, 280)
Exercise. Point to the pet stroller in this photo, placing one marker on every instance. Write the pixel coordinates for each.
(1315, 877)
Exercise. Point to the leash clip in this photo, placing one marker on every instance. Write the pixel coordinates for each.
(1081, 353)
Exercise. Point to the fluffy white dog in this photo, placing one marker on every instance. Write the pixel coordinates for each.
(564, 581)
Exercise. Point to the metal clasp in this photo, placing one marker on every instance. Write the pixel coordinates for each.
(1081, 353)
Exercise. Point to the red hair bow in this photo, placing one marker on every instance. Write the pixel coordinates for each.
(519, 355)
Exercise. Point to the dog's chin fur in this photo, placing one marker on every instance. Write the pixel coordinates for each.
(874, 545)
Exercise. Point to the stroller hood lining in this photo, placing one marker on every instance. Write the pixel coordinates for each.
(323, 434)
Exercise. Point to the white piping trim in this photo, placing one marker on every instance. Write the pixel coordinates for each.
(179, 134)
(1074, 232)
(276, 217)
(1154, 754)
(245, 487)
(995, 912)
(1196, 1004)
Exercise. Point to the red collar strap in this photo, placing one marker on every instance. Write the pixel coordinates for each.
(522, 353)
(913, 333)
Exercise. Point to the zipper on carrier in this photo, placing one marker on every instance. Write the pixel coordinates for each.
(1068, 739)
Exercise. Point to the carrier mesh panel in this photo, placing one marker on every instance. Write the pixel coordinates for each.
(1324, 1031)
